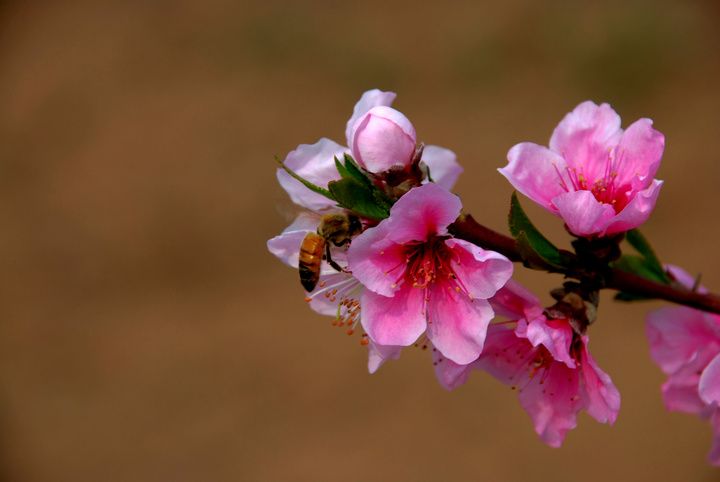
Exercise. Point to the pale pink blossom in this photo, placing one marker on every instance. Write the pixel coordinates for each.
(316, 162)
(546, 362)
(381, 138)
(337, 293)
(595, 176)
(420, 279)
(685, 343)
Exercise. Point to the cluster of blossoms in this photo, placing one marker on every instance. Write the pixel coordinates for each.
(378, 245)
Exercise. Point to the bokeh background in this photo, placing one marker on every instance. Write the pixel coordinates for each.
(147, 334)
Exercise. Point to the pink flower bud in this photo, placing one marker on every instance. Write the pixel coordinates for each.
(383, 138)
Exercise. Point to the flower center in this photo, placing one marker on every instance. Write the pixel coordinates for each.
(429, 262)
(605, 189)
(343, 290)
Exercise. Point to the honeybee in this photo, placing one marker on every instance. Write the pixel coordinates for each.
(335, 228)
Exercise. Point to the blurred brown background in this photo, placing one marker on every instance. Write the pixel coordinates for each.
(146, 332)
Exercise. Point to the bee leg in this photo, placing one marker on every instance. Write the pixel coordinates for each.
(332, 263)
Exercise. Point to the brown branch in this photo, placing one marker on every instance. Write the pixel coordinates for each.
(470, 230)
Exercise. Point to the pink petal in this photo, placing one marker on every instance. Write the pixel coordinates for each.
(315, 163)
(681, 389)
(379, 354)
(498, 357)
(449, 373)
(710, 382)
(286, 246)
(637, 211)
(457, 326)
(555, 335)
(377, 261)
(676, 334)
(601, 399)
(583, 214)
(639, 154)
(382, 139)
(370, 99)
(714, 455)
(480, 272)
(398, 320)
(684, 278)
(553, 406)
(425, 210)
(682, 398)
(513, 301)
(533, 170)
(443, 166)
(586, 136)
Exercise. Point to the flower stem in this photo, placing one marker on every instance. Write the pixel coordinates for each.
(465, 227)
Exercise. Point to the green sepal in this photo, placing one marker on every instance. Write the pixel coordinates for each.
(305, 182)
(355, 196)
(640, 266)
(351, 170)
(382, 200)
(356, 172)
(534, 248)
(652, 263)
(344, 172)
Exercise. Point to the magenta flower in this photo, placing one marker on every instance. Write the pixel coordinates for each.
(554, 374)
(594, 176)
(417, 277)
(545, 361)
(685, 343)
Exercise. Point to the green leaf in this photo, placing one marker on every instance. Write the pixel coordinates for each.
(383, 200)
(653, 265)
(355, 196)
(531, 257)
(639, 266)
(356, 172)
(307, 183)
(341, 169)
(537, 252)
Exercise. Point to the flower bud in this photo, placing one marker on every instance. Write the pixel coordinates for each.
(383, 139)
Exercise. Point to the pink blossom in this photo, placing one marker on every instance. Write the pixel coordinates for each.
(417, 277)
(545, 361)
(554, 382)
(594, 176)
(685, 343)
